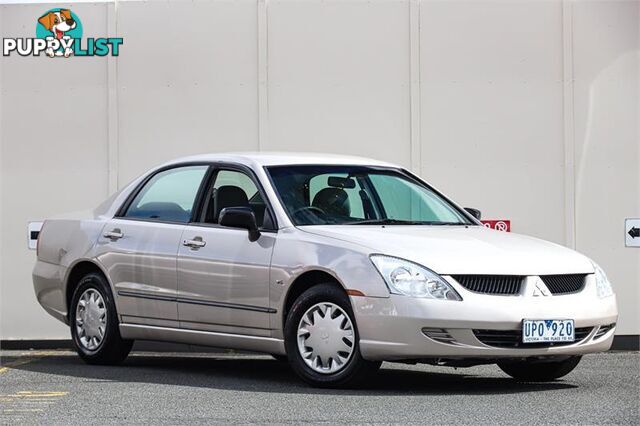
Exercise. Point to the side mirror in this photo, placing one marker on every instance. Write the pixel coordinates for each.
(473, 212)
(240, 217)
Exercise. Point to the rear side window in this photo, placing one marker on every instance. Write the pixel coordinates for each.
(169, 195)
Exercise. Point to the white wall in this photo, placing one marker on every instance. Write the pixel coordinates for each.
(53, 134)
(527, 110)
(607, 138)
(338, 78)
(185, 88)
(492, 110)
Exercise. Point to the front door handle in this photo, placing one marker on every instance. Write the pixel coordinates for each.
(114, 234)
(196, 243)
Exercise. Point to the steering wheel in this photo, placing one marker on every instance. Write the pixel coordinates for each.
(311, 209)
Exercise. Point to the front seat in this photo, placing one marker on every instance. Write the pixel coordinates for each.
(227, 196)
(333, 201)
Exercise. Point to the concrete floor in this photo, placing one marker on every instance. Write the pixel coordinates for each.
(153, 388)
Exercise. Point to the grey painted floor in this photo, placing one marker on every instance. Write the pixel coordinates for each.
(57, 388)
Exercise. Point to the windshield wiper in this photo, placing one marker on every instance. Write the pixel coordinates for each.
(382, 222)
(400, 222)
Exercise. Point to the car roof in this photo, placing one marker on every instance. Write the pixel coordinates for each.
(260, 159)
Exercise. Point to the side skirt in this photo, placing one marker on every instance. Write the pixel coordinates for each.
(203, 338)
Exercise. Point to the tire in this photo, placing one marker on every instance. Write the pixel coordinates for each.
(112, 348)
(351, 370)
(539, 371)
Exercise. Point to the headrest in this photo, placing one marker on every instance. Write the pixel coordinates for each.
(228, 196)
(333, 201)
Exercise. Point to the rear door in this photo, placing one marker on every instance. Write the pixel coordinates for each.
(223, 277)
(140, 245)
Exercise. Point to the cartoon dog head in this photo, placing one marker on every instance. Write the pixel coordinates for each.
(58, 22)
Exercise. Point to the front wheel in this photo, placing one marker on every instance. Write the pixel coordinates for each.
(94, 323)
(539, 371)
(321, 339)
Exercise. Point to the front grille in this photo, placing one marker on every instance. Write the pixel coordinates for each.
(491, 284)
(513, 338)
(563, 284)
(604, 329)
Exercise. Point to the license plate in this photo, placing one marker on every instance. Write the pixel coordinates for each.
(536, 331)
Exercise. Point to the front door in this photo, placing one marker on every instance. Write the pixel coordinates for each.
(223, 278)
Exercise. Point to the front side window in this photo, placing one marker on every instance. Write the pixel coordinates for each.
(169, 195)
(232, 188)
(352, 195)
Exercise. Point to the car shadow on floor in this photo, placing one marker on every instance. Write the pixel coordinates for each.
(261, 374)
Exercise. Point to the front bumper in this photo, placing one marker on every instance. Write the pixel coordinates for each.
(392, 328)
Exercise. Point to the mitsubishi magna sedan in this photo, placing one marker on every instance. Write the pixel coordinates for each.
(334, 264)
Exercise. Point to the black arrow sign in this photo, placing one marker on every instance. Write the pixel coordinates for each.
(634, 232)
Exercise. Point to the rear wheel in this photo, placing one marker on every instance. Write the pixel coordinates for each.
(94, 323)
(539, 371)
(321, 339)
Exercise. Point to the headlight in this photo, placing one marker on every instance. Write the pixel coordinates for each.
(410, 279)
(603, 286)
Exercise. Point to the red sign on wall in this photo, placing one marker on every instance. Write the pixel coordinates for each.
(498, 225)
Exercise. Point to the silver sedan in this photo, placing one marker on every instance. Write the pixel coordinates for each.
(334, 264)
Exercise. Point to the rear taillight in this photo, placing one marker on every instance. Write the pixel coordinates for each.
(39, 238)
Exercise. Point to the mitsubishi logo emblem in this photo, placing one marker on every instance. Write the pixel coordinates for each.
(540, 289)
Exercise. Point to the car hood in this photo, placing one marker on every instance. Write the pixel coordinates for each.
(462, 249)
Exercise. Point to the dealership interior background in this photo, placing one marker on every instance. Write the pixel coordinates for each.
(526, 110)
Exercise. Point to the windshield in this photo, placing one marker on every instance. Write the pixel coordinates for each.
(357, 195)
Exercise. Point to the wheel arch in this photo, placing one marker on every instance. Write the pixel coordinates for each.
(75, 273)
(305, 281)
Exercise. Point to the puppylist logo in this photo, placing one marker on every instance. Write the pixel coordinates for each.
(59, 35)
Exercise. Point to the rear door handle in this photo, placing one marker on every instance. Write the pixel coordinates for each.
(114, 234)
(196, 243)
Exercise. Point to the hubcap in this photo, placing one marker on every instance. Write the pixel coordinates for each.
(325, 338)
(91, 319)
